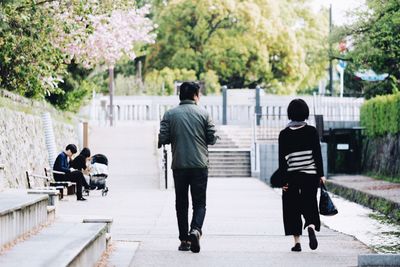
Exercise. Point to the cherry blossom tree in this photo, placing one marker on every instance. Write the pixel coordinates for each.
(111, 37)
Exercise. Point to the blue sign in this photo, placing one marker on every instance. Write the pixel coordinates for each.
(371, 76)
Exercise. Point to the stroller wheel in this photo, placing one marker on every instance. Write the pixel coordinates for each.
(104, 192)
(86, 192)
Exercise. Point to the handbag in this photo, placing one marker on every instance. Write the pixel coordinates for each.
(276, 179)
(326, 206)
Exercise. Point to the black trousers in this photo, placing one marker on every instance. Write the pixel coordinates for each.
(300, 199)
(196, 179)
(76, 177)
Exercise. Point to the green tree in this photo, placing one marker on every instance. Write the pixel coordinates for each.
(375, 44)
(277, 44)
(30, 64)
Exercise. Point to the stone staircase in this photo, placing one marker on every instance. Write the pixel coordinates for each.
(32, 236)
(230, 156)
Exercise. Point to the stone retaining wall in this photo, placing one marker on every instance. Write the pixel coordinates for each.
(22, 144)
(381, 155)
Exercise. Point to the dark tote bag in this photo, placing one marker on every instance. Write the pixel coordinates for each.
(326, 206)
(276, 179)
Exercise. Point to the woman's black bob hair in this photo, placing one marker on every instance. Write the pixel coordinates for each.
(298, 110)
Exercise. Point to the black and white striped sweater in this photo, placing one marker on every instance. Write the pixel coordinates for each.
(300, 151)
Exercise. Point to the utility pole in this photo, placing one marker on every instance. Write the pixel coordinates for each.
(330, 53)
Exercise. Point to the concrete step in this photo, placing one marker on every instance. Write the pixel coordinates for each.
(61, 244)
(229, 158)
(225, 146)
(228, 174)
(231, 168)
(227, 153)
(230, 164)
(20, 213)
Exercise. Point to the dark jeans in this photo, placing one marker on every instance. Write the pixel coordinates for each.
(76, 177)
(300, 199)
(197, 180)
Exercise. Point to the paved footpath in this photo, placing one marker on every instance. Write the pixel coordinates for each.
(243, 225)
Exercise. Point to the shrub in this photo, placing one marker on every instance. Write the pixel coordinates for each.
(381, 115)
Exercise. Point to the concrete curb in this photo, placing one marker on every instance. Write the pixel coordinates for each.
(387, 207)
(374, 260)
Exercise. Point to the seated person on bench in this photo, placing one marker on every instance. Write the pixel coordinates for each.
(62, 165)
(80, 162)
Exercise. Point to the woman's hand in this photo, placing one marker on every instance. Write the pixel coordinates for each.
(285, 187)
(323, 180)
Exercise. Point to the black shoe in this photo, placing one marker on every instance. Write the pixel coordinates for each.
(297, 247)
(81, 199)
(184, 246)
(312, 238)
(194, 236)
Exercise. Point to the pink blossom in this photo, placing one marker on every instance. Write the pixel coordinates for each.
(113, 36)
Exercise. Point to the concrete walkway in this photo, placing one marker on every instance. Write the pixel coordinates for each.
(243, 224)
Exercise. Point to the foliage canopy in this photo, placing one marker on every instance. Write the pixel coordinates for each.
(278, 44)
(375, 44)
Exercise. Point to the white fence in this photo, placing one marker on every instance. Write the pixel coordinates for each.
(240, 107)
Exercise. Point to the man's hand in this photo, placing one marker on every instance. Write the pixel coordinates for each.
(323, 180)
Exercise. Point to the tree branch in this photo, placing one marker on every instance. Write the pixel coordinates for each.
(215, 27)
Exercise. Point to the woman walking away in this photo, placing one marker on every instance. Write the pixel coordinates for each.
(300, 165)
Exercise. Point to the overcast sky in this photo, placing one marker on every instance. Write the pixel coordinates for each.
(339, 8)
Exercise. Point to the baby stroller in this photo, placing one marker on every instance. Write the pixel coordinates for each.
(99, 174)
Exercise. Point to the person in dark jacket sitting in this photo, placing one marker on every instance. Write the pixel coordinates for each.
(62, 165)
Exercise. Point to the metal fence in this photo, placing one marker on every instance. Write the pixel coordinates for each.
(240, 107)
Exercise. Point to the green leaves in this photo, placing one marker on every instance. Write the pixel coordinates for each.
(376, 43)
(381, 115)
(246, 43)
(27, 55)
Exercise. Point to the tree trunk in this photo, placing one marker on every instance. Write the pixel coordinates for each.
(111, 90)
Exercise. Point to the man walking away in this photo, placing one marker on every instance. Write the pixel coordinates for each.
(189, 130)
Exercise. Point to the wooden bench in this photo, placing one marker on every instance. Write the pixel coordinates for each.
(70, 186)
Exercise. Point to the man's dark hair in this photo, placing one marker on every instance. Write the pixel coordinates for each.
(72, 148)
(188, 90)
(298, 110)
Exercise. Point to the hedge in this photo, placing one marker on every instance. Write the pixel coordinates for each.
(381, 115)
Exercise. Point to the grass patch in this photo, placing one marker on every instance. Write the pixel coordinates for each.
(383, 177)
(61, 116)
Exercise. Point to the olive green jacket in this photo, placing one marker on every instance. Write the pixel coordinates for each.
(189, 129)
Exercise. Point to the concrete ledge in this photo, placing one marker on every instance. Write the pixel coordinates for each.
(61, 244)
(380, 204)
(107, 221)
(20, 213)
(51, 213)
(53, 194)
(378, 260)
